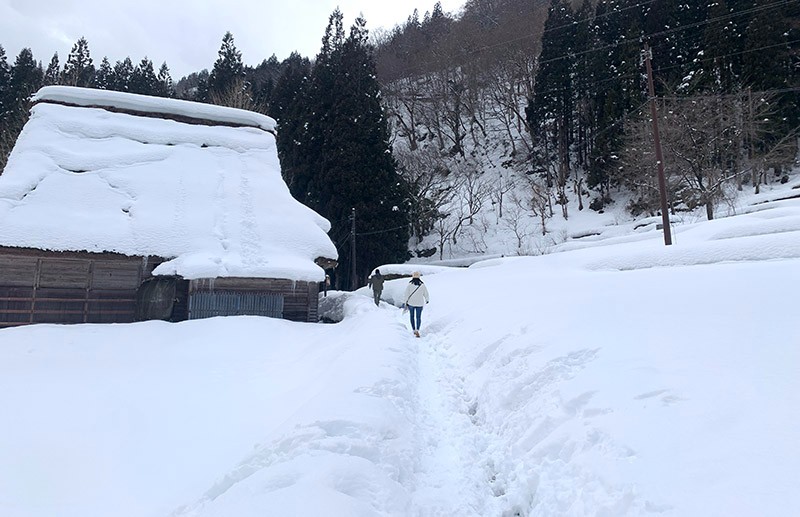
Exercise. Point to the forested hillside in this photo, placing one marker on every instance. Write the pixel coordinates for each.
(524, 110)
(554, 96)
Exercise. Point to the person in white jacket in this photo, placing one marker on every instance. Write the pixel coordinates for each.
(416, 297)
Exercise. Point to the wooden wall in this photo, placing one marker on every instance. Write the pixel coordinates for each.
(64, 287)
(38, 286)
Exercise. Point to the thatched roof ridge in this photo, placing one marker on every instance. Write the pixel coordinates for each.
(159, 107)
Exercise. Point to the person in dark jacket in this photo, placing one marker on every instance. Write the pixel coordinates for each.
(376, 283)
(416, 297)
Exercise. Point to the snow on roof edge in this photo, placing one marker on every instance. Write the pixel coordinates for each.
(89, 97)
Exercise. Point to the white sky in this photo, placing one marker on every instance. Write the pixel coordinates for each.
(186, 34)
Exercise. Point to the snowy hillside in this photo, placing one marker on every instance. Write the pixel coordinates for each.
(616, 377)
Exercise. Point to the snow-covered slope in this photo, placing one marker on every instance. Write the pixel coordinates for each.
(623, 378)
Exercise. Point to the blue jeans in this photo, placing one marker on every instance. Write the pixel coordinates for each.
(412, 311)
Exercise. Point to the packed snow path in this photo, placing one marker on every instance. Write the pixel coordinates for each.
(450, 479)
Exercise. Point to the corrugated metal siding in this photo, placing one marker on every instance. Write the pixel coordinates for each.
(207, 304)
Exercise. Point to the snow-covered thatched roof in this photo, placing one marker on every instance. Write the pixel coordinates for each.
(198, 184)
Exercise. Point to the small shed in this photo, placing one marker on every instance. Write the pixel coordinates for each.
(117, 207)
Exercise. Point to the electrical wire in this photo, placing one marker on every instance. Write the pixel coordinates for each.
(382, 231)
(674, 30)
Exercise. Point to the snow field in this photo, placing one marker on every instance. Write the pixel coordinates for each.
(620, 379)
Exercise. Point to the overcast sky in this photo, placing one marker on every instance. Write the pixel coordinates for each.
(187, 34)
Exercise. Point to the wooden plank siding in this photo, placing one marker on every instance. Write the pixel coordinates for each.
(38, 286)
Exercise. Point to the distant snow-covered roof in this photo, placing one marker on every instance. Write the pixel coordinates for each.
(88, 97)
(209, 198)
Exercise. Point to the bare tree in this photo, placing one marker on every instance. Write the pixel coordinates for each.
(506, 90)
(504, 183)
(702, 138)
(426, 173)
(453, 91)
(516, 221)
(237, 95)
(443, 228)
(538, 201)
(783, 151)
(637, 167)
(403, 100)
(473, 190)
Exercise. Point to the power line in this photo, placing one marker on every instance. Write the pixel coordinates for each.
(669, 31)
(597, 17)
(674, 30)
(570, 24)
(704, 60)
(729, 95)
(782, 44)
(383, 231)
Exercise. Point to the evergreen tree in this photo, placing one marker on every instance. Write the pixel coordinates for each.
(5, 84)
(289, 106)
(349, 163)
(585, 73)
(144, 80)
(671, 26)
(617, 86)
(305, 173)
(53, 73)
(193, 86)
(26, 79)
(104, 79)
(8, 135)
(550, 110)
(79, 70)
(123, 75)
(768, 64)
(17, 84)
(228, 69)
(165, 86)
(723, 41)
(262, 80)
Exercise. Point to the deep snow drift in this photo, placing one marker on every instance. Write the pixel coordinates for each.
(621, 378)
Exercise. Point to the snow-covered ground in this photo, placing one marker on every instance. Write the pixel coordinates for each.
(619, 377)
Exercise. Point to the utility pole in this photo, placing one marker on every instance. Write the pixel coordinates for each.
(353, 279)
(662, 183)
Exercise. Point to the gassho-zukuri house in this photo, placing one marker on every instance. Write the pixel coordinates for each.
(117, 207)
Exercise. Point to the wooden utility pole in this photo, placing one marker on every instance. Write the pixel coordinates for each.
(353, 279)
(662, 182)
